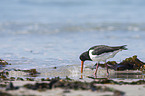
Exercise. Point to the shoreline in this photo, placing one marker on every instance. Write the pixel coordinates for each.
(70, 82)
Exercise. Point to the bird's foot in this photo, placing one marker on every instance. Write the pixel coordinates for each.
(95, 74)
(81, 77)
(107, 73)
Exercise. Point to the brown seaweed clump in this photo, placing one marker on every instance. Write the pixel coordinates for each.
(3, 75)
(10, 86)
(71, 84)
(132, 63)
(31, 72)
(3, 63)
(5, 94)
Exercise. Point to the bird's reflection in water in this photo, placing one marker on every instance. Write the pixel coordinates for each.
(127, 75)
(120, 75)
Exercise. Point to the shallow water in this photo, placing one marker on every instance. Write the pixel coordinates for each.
(44, 34)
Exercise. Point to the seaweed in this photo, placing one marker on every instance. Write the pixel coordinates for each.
(131, 63)
(43, 79)
(3, 85)
(12, 78)
(72, 84)
(10, 86)
(31, 72)
(40, 86)
(54, 67)
(5, 94)
(18, 78)
(29, 79)
(3, 63)
(109, 81)
(3, 75)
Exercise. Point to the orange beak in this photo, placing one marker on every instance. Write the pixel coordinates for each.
(82, 63)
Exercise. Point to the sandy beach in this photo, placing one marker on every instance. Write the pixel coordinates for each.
(60, 82)
(113, 86)
(129, 90)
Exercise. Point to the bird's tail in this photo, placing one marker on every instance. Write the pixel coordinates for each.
(123, 47)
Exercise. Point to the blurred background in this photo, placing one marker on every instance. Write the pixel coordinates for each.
(42, 34)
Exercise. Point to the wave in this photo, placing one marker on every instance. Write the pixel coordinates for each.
(30, 28)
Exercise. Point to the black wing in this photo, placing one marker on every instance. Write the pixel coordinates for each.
(105, 49)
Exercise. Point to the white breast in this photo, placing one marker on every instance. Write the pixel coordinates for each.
(102, 57)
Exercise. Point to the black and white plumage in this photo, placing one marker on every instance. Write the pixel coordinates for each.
(100, 53)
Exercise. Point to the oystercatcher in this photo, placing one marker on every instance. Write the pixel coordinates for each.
(100, 53)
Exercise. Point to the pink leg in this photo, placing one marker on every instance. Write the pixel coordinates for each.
(107, 69)
(96, 69)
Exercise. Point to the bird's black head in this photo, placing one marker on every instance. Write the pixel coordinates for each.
(85, 56)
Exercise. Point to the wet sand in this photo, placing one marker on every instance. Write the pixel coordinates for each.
(129, 90)
(67, 81)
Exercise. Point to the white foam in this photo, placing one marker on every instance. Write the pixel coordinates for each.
(74, 71)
